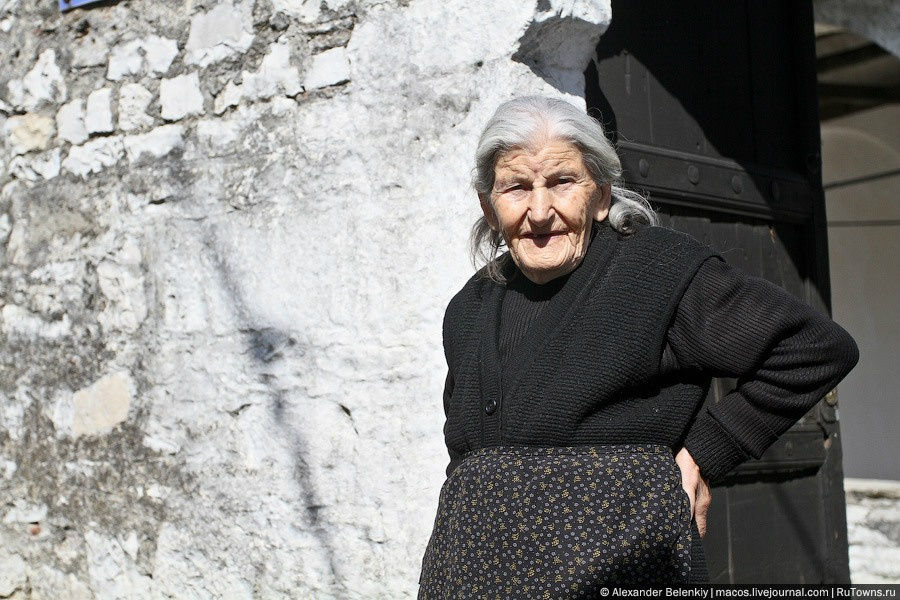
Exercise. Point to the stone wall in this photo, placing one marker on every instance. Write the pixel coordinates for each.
(873, 529)
(229, 231)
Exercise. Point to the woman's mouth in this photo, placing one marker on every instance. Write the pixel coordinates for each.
(541, 239)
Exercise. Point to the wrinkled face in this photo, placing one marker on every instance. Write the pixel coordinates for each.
(543, 202)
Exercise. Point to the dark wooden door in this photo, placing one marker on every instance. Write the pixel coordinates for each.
(713, 108)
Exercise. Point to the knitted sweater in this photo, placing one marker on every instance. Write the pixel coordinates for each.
(665, 314)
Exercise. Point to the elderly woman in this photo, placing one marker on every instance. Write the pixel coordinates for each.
(578, 364)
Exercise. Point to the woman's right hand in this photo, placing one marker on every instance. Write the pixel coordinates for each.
(696, 488)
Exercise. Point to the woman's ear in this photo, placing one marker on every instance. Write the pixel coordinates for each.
(488, 210)
(603, 200)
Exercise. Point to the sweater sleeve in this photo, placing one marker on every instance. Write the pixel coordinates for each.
(784, 354)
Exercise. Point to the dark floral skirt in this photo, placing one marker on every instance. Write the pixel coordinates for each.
(559, 522)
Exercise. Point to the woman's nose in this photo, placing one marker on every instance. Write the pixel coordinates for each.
(540, 209)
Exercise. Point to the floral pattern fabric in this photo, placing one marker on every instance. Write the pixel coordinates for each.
(558, 522)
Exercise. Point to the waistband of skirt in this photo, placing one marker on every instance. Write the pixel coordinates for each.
(591, 449)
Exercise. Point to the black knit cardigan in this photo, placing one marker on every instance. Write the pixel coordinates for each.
(590, 370)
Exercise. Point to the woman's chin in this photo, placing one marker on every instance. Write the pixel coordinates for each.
(546, 263)
(545, 271)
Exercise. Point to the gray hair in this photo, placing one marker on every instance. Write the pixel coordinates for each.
(519, 123)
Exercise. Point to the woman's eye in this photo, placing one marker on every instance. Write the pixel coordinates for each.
(561, 182)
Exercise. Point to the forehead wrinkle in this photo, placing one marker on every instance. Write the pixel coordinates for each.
(549, 159)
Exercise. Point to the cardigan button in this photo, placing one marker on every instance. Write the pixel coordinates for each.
(491, 406)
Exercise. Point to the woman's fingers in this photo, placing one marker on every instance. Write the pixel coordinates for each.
(704, 498)
(696, 488)
(690, 475)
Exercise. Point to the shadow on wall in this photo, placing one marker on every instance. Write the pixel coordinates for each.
(266, 346)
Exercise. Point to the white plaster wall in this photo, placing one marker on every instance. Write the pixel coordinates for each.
(230, 230)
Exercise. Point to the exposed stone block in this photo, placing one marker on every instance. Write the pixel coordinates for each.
(228, 97)
(153, 55)
(89, 51)
(18, 322)
(224, 31)
(43, 84)
(103, 405)
(275, 75)
(328, 68)
(306, 11)
(159, 53)
(41, 166)
(180, 97)
(24, 511)
(98, 116)
(133, 101)
(28, 132)
(94, 156)
(125, 59)
(156, 143)
(70, 122)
